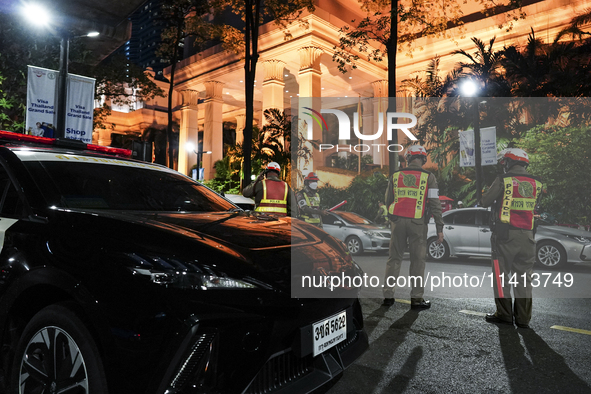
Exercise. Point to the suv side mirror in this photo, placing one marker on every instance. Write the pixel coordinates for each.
(338, 223)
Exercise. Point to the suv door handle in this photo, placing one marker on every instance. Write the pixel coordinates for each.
(449, 228)
(484, 230)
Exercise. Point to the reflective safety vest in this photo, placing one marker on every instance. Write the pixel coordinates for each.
(274, 197)
(520, 193)
(410, 192)
(312, 202)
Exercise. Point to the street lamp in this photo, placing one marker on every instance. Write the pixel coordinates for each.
(469, 88)
(191, 148)
(38, 15)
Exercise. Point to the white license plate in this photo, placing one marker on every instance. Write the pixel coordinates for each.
(327, 333)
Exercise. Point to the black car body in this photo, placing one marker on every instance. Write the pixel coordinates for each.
(137, 279)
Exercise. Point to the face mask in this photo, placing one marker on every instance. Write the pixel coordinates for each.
(313, 185)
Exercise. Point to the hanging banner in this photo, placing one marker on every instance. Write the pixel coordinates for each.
(41, 101)
(488, 142)
(467, 148)
(80, 108)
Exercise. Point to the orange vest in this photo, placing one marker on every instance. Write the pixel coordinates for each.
(274, 197)
(410, 193)
(520, 193)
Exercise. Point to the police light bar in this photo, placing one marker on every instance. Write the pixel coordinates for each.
(64, 143)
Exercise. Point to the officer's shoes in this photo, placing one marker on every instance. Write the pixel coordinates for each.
(388, 302)
(520, 325)
(493, 318)
(420, 305)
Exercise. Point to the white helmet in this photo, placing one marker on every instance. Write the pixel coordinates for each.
(273, 166)
(415, 151)
(514, 154)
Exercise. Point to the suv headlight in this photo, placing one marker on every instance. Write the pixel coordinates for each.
(171, 272)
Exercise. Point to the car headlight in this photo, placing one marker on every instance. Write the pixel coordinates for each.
(583, 240)
(171, 272)
(370, 233)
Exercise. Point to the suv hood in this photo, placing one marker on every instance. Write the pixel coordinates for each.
(236, 228)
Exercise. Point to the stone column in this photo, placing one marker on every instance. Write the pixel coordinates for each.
(367, 116)
(310, 74)
(273, 86)
(310, 81)
(213, 132)
(188, 130)
(240, 122)
(380, 106)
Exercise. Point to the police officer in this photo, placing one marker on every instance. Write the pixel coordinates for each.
(513, 197)
(382, 214)
(408, 191)
(271, 194)
(309, 201)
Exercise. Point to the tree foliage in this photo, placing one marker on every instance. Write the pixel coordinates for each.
(362, 195)
(561, 157)
(252, 14)
(181, 19)
(21, 46)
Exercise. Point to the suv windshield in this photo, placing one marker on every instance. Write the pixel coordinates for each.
(76, 182)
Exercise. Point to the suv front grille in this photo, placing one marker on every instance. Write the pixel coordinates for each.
(279, 371)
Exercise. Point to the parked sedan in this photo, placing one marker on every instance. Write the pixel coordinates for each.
(119, 276)
(467, 233)
(358, 233)
(243, 202)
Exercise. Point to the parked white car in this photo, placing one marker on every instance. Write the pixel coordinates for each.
(467, 233)
(358, 233)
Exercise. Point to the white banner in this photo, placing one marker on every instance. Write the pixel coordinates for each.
(467, 148)
(488, 143)
(488, 147)
(80, 108)
(41, 103)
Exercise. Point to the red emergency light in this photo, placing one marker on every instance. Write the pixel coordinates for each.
(63, 142)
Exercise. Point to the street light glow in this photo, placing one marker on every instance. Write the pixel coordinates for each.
(469, 88)
(190, 147)
(37, 14)
(93, 34)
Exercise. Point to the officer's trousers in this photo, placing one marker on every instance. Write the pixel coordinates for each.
(413, 231)
(516, 257)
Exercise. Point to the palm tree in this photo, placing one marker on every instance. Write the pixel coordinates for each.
(277, 138)
(485, 65)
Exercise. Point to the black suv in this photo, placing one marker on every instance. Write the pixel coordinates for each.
(119, 276)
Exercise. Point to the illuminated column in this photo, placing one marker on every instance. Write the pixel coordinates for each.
(188, 130)
(213, 132)
(368, 127)
(240, 121)
(310, 74)
(380, 106)
(273, 86)
(309, 79)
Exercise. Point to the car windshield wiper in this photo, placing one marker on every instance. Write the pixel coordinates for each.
(235, 210)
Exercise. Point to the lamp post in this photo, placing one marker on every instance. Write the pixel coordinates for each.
(190, 147)
(469, 88)
(36, 13)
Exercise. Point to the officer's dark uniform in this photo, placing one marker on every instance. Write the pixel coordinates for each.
(514, 196)
(271, 195)
(408, 191)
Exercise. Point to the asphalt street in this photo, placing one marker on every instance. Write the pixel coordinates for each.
(451, 349)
